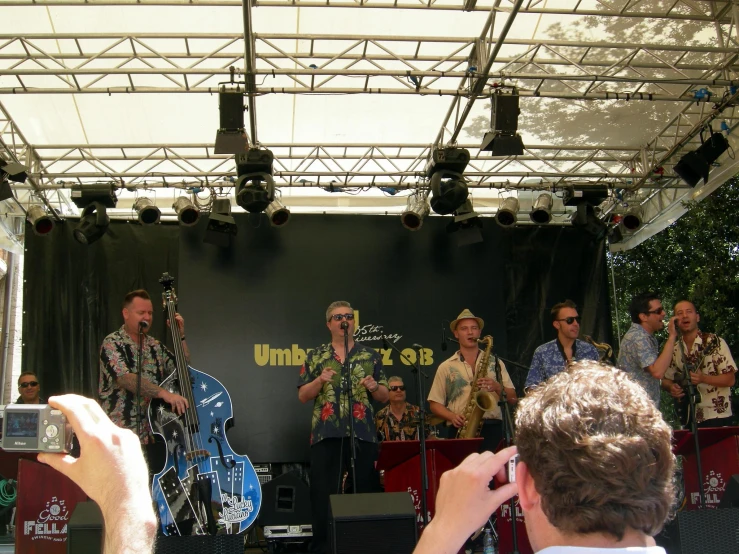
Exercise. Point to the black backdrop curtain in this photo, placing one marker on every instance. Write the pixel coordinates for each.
(254, 308)
(72, 297)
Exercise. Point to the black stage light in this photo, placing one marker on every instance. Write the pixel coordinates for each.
(696, 165)
(187, 213)
(448, 186)
(586, 218)
(466, 225)
(39, 220)
(104, 194)
(632, 219)
(231, 135)
(148, 213)
(93, 223)
(221, 225)
(12, 171)
(507, 214)
(255, 188)
(502, 139)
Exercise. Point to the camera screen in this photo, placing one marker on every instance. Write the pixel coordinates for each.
(21, 424)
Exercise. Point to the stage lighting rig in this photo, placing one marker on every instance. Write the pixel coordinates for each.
(448, 185)
(93, 200)
(187, 213)
(541, 211)
(415, 212)
(231, 135)
(586, 199)
(39, 220)
(221, 225)
(147, 211)
(507, 214)
(255, 188)
(502, 138)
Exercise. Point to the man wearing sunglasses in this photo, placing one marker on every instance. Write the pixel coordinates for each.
(29, 389)
(639, 354)
(398, 421)
(323, 379)
(552, 357)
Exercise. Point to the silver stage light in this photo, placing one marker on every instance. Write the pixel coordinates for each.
(417, 209)
(632, 219)
(506, 214)
(40, 221)
(277, 213)
(187, 213)
(147, 211)
(541, 212)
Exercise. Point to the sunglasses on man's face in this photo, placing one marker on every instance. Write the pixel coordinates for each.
(570, 320)
(396, 388)
(339, 317)
(658, 311)
(29, 384)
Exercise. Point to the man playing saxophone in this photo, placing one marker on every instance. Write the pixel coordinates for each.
(450, 393)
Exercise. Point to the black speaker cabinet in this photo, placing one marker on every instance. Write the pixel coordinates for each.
(218, 544)
(85, 529)
(285, 501)
(702, 532)
(372, 523)
(730, 499)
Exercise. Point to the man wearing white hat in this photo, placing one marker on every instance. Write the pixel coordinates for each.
(453, 382)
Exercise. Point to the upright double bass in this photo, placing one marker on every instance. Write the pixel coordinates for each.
(204, 488)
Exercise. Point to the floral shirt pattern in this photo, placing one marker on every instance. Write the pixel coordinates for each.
(331, 411)
(715, 401)
(451, 386)
(548, 360)
(389, 428)
(118, 356)
(638, 350)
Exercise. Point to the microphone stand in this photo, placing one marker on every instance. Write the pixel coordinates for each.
(421, 423)
(507, 422)
(350, 396)
(692, 392)
(139, 364)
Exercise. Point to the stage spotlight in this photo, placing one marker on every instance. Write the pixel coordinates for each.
(277, 214)
(12, 171)
(187, 213)
(40, 221)
(148, 212)
(502, 139)
(507, 213)
(231, 134)
(586, 218)
(255, 188)
(84, 195)
(416, 210)
(448, 186)
(221, 225)
(632, 219)
(93, 223)
(466, 225)
(696, 165)
(541, 212)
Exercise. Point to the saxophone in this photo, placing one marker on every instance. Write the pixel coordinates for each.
(479, 401)
(604, 349)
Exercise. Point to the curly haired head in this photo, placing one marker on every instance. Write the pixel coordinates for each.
(598, 451)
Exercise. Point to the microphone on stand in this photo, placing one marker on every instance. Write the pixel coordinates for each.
(143, 324)
(345, 325)
(443, 338)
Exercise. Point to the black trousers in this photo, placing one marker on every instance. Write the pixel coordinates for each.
(329, 459)
(717, 422)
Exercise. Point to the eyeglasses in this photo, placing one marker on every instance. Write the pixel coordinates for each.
(397, 387)
(570, 320)
(29, 384)
(658, 311)
(339, 317)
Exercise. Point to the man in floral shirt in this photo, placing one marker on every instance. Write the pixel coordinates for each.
(712, 369)
(118, 361)
(323, 380)
(399, 420)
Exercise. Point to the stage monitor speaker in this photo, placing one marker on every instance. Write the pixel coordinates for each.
(701, 532)
(372, 523)
(285, 501)
(212, 544)
(730, 499)
(85, 529)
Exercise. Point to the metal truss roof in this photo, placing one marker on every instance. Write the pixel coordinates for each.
(676, 87)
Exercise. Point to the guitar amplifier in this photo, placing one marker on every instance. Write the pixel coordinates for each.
(212, 544)
(702, 532)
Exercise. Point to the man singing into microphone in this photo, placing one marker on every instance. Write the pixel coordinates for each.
(118, 363)
(323, 380)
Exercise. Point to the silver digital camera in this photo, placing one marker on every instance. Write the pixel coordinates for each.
(35, 428)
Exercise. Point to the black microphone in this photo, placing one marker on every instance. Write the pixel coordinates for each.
(443, 338)
(345, 325)
(385, 345)
(143, 324)
(416, 346)
(677, 328)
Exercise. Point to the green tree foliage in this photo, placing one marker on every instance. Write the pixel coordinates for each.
(697, 258)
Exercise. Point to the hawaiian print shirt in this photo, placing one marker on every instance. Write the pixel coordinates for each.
(331, 407)
(451, 386)
(548, 360)
(389, 428)
(638, 350)
(715, 401)
(118, 356)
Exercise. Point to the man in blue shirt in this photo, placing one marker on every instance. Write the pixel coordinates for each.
(639, 354)
(552, 357)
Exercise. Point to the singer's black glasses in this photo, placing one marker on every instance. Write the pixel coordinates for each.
(339, 317)
(29, 384)
(570, 320)
(397, 387)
